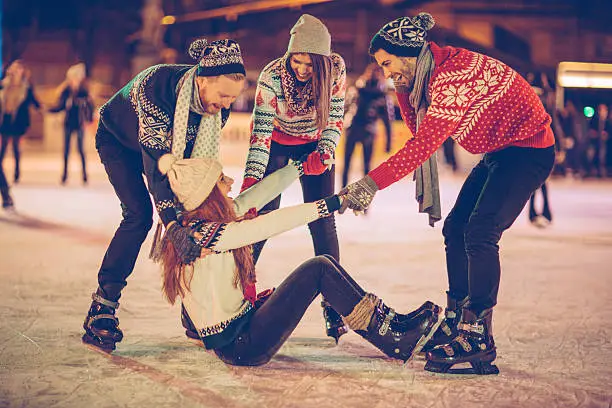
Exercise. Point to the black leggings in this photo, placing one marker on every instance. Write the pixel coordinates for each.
(80, 136)
(354, 136)
(323, 231)
(491, 199)
(16, 151)
(273, 322)
(545, 205)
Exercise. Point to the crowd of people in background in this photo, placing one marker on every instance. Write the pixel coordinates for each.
(18, 97)
(583, 142)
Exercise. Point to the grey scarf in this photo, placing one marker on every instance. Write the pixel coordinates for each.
(426, 176)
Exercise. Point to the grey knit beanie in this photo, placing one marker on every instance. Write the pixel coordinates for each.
(309, 35)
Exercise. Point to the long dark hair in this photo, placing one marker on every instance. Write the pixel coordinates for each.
(321, 87)
(177, 277)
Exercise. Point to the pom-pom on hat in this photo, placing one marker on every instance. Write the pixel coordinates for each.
(404, 36)
(191, 180)
(216, 58)
(309, 35)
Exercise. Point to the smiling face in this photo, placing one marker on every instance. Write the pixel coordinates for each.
(218, 92)
(401, 69)
(225, 184)
(301, 64)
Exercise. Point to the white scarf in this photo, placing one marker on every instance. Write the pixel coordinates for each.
(209, 132)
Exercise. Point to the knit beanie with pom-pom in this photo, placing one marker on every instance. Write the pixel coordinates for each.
(191, 180)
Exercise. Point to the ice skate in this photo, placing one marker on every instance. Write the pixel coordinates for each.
(448, 327)
(334, 325)
(397, 340)
(473, 345)
(101, 325)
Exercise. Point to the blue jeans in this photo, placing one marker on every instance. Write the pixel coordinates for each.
(68, 131)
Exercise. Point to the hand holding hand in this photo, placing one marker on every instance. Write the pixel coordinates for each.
(358, 195)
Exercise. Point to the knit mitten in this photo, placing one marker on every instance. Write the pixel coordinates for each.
(313, 166)
(248, 182)
(358, 195)
(184, 244)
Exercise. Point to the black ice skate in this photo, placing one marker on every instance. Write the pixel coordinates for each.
(448, 328)
(190, 329)
(334, 325)
(101, 325)
(409, 318)
(400, 338)
(473, 345)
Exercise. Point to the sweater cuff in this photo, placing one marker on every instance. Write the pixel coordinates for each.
(382, 176)
(333, 203)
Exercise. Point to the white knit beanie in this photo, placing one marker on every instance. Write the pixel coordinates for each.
(309, 35)
(191, 180)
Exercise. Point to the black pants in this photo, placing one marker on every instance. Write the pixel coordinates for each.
(354, 136)
(68, 131)
(16, 151)
(125, 172)
(4, 188)
(323, 231)
(491, 198)
(448, 148)
(274, 321)
(545, 206)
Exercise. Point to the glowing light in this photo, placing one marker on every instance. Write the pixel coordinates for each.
(584, 75)
(167, 20)
(589, 111)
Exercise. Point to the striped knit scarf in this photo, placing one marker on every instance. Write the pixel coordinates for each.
(209, 132)
(205, 145)
(426, 176)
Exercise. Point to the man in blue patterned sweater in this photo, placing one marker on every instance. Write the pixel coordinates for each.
(178, 109)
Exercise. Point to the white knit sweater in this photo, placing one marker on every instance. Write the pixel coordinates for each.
(213, 302)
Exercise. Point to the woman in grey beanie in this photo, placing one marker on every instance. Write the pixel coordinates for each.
(299, 109)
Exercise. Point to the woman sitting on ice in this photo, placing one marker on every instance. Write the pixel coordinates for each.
(218, 290)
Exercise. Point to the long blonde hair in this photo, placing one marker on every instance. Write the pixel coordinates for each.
(177, 277)
(14, 93)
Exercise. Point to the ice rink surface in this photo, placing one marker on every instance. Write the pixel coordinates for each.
(553, 323)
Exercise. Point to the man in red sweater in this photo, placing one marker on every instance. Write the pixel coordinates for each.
(486, 107)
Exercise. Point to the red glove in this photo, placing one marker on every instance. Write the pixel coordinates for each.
(263, 296)
(313, 166)
(248, 182)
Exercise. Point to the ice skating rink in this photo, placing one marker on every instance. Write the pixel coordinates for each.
(553, 324)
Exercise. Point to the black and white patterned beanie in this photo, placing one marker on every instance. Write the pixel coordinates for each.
(219, 57)
(404, 36)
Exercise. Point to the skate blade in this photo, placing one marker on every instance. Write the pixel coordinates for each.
(337, 333)
(424, 339)
(93, 344)
(480, 368)
(196, 342)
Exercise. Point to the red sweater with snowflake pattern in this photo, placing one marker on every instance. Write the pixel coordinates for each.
(481, 103)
